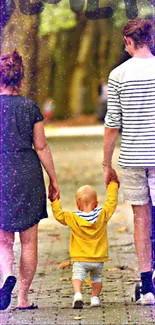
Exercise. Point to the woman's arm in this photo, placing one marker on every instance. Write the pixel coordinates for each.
(43, 151)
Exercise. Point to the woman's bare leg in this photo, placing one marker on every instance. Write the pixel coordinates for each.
(28, 263)
(6, 253)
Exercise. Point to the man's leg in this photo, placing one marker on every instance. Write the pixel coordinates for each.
(142, 224)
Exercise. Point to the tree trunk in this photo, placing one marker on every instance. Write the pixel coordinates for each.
(21, 33)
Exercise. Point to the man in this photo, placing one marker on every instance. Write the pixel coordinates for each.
(131, 106)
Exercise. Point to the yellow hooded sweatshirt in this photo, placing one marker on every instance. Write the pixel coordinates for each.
(89, 241)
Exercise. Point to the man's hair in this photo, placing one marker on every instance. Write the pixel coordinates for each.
(11, 70)
(141, 32)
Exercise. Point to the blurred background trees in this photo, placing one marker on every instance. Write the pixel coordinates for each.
(66, 55)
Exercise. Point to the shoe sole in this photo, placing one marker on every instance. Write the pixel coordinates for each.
(148, 303)
(95, 306)
(78, 304)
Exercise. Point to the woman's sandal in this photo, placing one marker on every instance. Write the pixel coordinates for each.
(5, 292)
(31, 307)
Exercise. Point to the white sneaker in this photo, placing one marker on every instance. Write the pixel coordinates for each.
(95, 301)
(77, 301)
(147, 299)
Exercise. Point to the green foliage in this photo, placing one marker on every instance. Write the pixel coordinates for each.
(145, 9)
(56, 17)
(119, 18)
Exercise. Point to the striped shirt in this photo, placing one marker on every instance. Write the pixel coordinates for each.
(89, 216)
(131, 105)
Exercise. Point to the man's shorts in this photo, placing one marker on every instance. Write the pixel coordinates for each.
(138, 184)
(80, 270)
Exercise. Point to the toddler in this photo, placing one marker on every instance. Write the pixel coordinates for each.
(88, 241)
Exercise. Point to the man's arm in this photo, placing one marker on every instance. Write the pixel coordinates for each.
(110, 137)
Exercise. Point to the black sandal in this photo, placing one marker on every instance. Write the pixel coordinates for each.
(5, 292)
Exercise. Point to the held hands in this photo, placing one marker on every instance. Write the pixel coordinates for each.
(53, 192)
(110, 175)
(114, 177)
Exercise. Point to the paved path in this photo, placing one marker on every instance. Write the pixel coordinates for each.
(52, 288)
(53, 131)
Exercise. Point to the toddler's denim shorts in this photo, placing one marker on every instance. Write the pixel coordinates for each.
(80, 270)
(137, 184)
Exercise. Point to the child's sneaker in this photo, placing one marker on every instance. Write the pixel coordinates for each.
(95, 301)
(147, 299)
(77, 301)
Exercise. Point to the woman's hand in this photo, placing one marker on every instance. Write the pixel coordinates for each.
(53, 191)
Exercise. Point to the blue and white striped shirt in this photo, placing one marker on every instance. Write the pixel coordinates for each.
(89, 216)
(131, 104)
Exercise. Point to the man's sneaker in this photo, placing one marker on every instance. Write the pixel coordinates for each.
(77, 301)
(95, 301)
(147, 299)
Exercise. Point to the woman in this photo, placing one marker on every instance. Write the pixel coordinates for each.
(22, 195)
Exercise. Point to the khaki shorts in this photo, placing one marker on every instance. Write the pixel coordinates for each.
(80, 270)
(137, 184)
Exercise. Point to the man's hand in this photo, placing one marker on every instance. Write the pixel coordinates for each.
(110, 175)
(114, 177)
(107, 175)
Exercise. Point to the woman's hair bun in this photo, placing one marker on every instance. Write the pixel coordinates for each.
(11, 70)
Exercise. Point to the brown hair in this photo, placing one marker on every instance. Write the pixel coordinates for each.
(141, 32)
(11, 70)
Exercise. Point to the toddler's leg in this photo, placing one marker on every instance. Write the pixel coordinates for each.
(96, 288)
(77, 285)
(96, 277)
(79, 274)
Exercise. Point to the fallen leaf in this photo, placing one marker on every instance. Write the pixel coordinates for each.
(88, 283)
(64, 264)
(128, 283)
(123, 229)
(64, 279)
(133, 268)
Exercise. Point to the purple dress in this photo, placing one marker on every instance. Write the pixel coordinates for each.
(22, 188)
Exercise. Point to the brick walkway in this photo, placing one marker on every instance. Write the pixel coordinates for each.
(52, 289)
